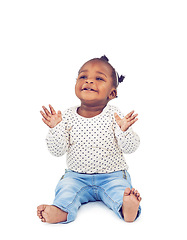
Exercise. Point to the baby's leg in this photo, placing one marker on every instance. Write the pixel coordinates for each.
(51, 214)
(71, 192)
(131, 202)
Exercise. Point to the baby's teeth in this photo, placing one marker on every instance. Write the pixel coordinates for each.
(89, 89)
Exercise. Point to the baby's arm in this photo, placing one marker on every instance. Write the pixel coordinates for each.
(127, 139)
(58, 136)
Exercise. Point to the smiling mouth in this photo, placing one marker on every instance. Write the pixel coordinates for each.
(88, 89)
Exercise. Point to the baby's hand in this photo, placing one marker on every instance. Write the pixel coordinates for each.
(52, 118)
(127, 121)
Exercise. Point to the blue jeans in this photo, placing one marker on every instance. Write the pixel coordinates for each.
(75, 189)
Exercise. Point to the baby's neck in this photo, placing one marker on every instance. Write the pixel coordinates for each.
(89, 112)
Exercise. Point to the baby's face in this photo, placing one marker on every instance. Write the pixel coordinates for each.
(94, 84)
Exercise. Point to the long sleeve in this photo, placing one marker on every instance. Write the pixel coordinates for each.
(58, 140)
(128, 141)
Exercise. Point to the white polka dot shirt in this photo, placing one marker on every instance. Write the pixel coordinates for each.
(93, 145)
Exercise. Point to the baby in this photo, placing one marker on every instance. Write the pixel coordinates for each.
(95, 135)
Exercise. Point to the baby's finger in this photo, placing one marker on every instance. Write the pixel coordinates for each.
(59, 113)
(129, 114)
(46, 111)
(117, 117)
(132, 122)
(132, 117)
(52, 110)
(45, 116)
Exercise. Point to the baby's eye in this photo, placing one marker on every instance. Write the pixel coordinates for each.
(100, 79)
(83, 77)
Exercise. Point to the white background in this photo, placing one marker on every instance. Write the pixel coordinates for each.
(42, 46)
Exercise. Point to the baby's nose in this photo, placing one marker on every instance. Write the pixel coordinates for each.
(89, 81)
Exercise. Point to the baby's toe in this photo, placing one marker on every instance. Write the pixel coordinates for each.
(40, 212)
(132, 191)
(127, 192)
(41, 208)
(139, 199)
(138, 195)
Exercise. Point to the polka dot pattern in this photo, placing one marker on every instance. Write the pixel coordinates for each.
(93, 145)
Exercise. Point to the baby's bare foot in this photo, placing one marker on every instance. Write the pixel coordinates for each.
(131, 202)
(51, 214)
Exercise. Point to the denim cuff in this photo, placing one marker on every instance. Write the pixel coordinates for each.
(70, 216)
(120, 215)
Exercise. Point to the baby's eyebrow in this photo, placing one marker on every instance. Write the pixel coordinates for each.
(101, 73)
(83, 71)
(96, 72)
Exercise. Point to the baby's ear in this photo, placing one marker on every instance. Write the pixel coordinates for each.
(113, 94)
